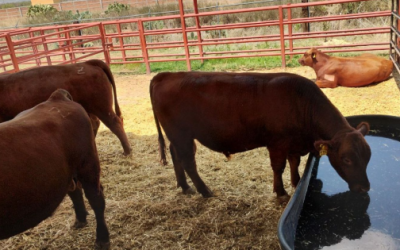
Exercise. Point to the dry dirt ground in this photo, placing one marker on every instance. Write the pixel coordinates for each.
(145, 210)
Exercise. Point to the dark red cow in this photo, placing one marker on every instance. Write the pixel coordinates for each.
(346, 71)
(43, 151)
(90, 83)
(233, 112)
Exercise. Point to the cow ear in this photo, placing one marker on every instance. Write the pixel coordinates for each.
(322, 147)
(363, 128)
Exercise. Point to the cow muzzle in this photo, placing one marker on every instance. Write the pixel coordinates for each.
(301, 61)
(359, 188)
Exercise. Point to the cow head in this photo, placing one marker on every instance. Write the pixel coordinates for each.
(310, 57)
(349, 154)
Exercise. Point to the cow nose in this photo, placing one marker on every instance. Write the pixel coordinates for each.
(360, 188)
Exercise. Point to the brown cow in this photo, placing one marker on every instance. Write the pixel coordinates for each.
(349, 72)
(233, 112)
(90, 83)
(43, 150)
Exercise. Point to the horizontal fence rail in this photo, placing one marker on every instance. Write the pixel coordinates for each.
(150, 40)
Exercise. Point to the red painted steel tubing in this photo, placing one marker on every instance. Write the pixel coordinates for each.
(22, 46)
(184, 35)
(143, 45)
(12, 53)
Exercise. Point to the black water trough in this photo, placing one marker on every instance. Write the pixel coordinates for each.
(324, 214)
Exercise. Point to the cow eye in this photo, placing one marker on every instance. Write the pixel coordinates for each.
(347, 161)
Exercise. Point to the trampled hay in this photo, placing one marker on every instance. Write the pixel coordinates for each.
(145, 210)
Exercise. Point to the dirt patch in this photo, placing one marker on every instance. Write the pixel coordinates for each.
(145, 210)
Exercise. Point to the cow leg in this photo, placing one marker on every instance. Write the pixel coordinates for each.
(94, 120)
(294, 162)
(180, 172)
(278, 163)
(115, 124)
(96, 200)
(185, 155)
(79, 207)
(326, 84)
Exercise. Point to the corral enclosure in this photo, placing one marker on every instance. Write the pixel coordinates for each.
(145, 210)
(192, 35)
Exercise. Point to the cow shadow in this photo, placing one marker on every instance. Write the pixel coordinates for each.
(326, 220)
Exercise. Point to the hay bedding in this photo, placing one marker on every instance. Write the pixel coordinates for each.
(145, 210)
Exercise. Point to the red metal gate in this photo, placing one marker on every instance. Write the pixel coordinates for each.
(141, 41)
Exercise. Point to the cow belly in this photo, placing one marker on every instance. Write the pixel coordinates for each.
(233, 144)
(42, 182)
(214, 132)
(14, 218)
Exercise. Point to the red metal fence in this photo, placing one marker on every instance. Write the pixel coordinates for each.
(149, 40)
(395, 34)
(82, 5)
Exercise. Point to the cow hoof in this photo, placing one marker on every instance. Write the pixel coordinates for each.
(189, 191)
(102, 245)
(127, 153)
(207, 193)
(80, 224)
(284, 199)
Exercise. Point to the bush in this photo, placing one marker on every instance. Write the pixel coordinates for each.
(69, 15)
(117, 9)
(41, 12)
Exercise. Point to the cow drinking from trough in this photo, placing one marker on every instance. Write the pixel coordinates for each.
(90, 83)
(233, 112)
(43, 151)
(349, 72)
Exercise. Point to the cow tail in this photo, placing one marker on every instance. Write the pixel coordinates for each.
(110, 77)
(161, 143)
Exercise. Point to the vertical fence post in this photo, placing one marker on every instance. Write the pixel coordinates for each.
(34, 49)
(282, 36)
(290, 29)
(2, 60)
(199, 39)
(121, 42)
(391, 54)
(60, 45)
(397, 10)
(143, 45)
(45, 47)
(69, 43)
(103, 43)
(10, 46)
(397, 42)
(185, 40)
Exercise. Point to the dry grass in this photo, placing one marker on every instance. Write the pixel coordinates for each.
(145, 210)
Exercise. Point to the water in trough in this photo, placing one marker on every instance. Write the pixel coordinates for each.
(335, 218)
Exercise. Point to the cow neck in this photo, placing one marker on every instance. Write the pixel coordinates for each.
(320, 61)
(327, 121)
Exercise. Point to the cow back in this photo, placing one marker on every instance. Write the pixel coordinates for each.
(239, 111)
